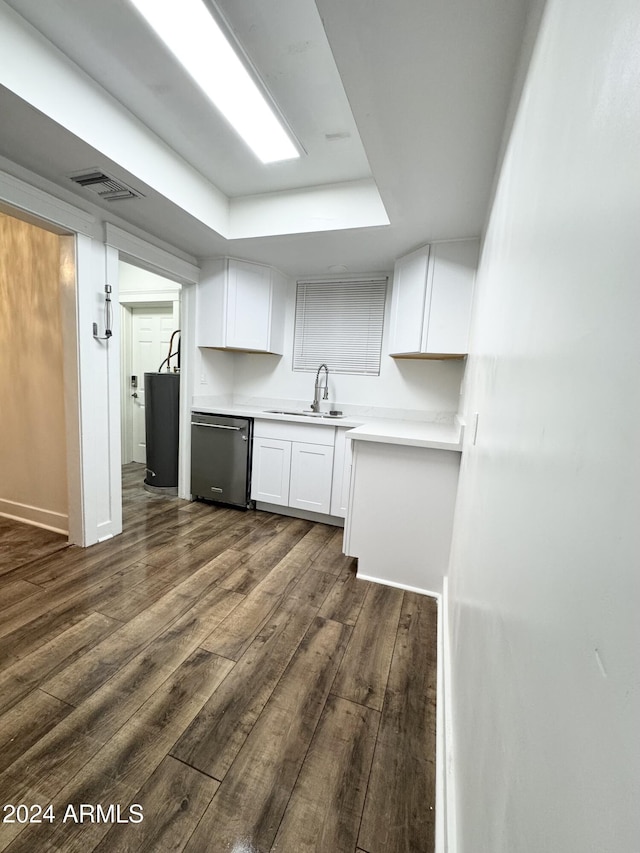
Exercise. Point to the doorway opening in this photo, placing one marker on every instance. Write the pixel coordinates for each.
(39, 380)
(150, 307)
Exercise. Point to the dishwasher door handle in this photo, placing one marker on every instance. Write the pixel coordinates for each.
(215, 426)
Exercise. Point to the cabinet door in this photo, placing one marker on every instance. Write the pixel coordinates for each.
(408, 302)
(271, 470)
(311, 472)
(452, 272)
(248, 309)
(341, 475)
(211, 304)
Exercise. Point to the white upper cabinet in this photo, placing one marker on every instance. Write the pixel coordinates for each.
(240, 306)
(431, 301)
(408, 299)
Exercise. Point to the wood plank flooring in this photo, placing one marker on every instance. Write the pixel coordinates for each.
(223, 670)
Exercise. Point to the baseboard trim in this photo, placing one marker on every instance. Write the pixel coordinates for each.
(396, 585)
(446, 831)
(304, 514)
(445, 822)
(36, 516)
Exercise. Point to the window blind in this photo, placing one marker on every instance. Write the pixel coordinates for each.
(339, 323)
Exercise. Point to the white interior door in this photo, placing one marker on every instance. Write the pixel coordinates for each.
(151, 333)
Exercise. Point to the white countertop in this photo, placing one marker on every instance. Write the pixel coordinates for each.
(240, 411)
(410, 433)
(439, 436)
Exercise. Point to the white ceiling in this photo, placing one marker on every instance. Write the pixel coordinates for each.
(415, 90)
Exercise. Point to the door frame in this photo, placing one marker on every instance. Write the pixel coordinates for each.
(92, 380)
(122, 246)
(20, 201)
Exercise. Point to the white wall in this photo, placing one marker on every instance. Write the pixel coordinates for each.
(544, 578)
(135, 280)
(403, 384)
(214, 373)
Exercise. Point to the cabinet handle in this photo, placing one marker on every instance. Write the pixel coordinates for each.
(215, 426)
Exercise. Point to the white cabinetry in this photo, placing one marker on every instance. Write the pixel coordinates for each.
(240, 306)
(341, 474)
(271, 471)
(400, 517)
(311, 471)
(431, 300)
(293, 465)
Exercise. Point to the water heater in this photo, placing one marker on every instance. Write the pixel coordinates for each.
(162, 427)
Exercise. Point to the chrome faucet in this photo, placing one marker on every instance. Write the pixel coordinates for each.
(315, 406)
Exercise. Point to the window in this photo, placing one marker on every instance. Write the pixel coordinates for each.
(339, 323)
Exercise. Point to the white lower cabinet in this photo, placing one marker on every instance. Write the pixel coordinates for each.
(311, 473)
(293, 465)
(400, 517)
(271, 471)
(341, 474)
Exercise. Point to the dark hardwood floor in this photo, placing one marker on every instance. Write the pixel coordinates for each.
(225, 671)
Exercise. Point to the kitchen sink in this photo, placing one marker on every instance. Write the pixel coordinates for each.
(302, 413)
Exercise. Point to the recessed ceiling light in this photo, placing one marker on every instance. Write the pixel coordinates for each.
(338, 268)
(194, 37)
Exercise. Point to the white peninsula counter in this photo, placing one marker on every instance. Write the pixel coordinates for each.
(404, 480)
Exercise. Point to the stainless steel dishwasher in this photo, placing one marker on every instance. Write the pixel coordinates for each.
(221, 458)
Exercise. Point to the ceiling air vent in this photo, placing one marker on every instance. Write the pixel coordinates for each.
(108, 188)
